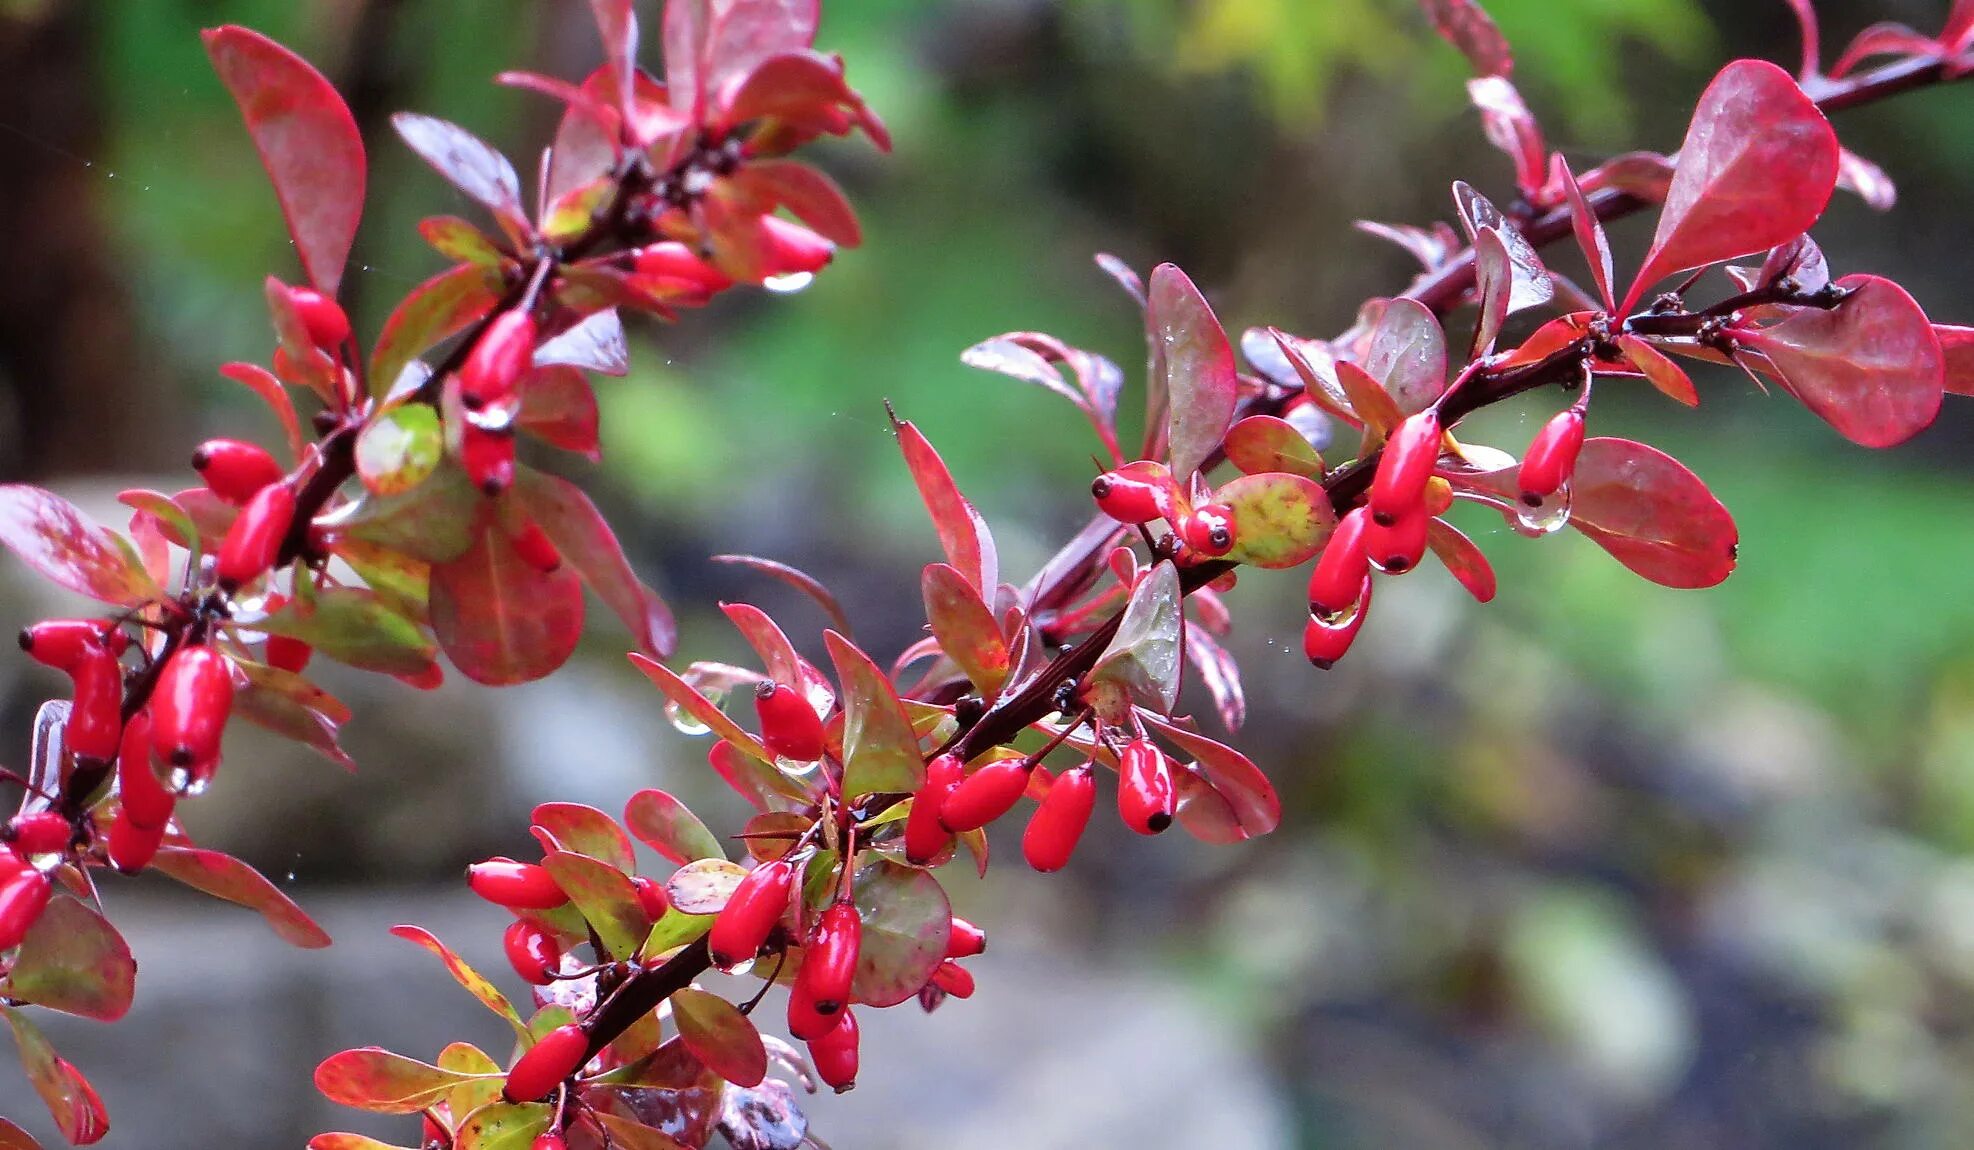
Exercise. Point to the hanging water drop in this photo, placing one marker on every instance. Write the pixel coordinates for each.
(683, 721)
(790, 283)
(1545, 518)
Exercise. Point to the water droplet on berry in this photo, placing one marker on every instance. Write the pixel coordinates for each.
(790, 283)
(1337, 618)
(1545, 518)
(189, 782)
(497, 418)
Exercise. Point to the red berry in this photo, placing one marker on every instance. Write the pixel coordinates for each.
(23, 896)
(1551, 456)
(804, 1020)
(61, 643)
(286, 654)
(40, 833)
(145, 799)
(1137, 493)
(679, 264)
(500, 357)
(189, 708)
(652, 897)
(96, 715)
(234, 469)
(1058, 823)
(1209, 530)
(549, 1140)
(789, 725)
(535, 548)
(751, 913)
(966, 939)
(547, 1064)
(1405, 466)
(1340, 571)
(1397, 548)
(985, 795)
(253, 543)
(788, 248)
(925, 835)
(133, 845)
(515, 885)
(488, 457)
(324, 318)
(829, 961)
(835, 1054)
(532, 952)
(1324, 642)
(1146, 793)
(954, 979)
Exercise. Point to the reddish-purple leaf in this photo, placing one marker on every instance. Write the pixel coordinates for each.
(1866, 180)
(880, 749)
(1531, 280)
(54, 537)
(1431, 247)
(1222, 675)
(586, 140)
(616, 24)
(812, 196)
(1511, 128)
(292, 707)
(13, 1137)
(1757, 168)
(307, 140)
(1588, 228)
(720, 1036)
(74, 961)
(472, 981)
(224, 877)
(777, 654)
(261, 382)
(558, 405)
(586, 542)
(437, 309)
(343, 1141)
(1646, 175)
(501, 619)
(801, 580)
(1193, 368)
(1407, 354)
(1143, 662)
(1646, 509)
(1806, 24)
(710, 42)
(907, 923)
(71, 1101)
(1870, 367)
(1462, 558)
(669, 827)
(1957, 353)
(596, 344)
(1660, 372)
(1373, 405)
(1959, 27)
(1494, 283)
(586, 831)
(470, 163)
(963, 534)
(1885, 38)
(1123, 275)
(1230, 773)
(373, 1079)
(965, 628)
(1467, 26)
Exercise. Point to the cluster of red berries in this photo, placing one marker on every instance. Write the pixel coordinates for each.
(1145, 492)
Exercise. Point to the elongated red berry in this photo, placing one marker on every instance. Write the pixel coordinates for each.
(985, 795)
(547, 1064)
(536, 549)
(804, 1020)
(532, 952)
(925, 835)
(39, 832)
(1340, 571)
(651, 897)
(788, 248)
(549, 1140)
(789, 725)
(500, 357)
(189, 707)
(1551, 456)
(1057, 825)
(145, 799)
(829, 960)
(1209, 530)
(1147, 796)
(1405, 466)
(328, 325)
(954, 979)
(96, 715)
(965, 939)
(234, 469)
(1137, 493)
(23, 896)
(1324, 639)
(254, 541)
(680, 264)
(835, 1054)
(751, 913)
(1397, 548)
(61, 643)
(133, 845)
(488, 458)
(515, 885)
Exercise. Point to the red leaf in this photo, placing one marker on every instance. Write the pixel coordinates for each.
(1756, 170)
(71, 1101)
(558, 405)
(812, 196)
(586, 542)
(1885, 38)
(708, 42)
(1867, 181)
(74, 961)
(801, 580)
(1462, 558)
(616, 24)
(669, 827)
(225, 877)
(1192, 369)
(586, 831)
(1467, 26)
(13, 1137)
(472, 981)
(688, 700)
(1957, 351)
(880, 749)
(437, 309)
(720, 1036)
(965, 627)
(1221, 674)
(502, 620)
(294, 708)
(771, 644)
(381, 1082)
(1661, 372)
(54, 537)
(1232, 774)
(1870, 367)
(1407, 354)
(1651, 513)
(459, 241)
(470, 163)
(1960, 26)
(1589, 229)
(307, 140)
(261, 382)
(595, 344)
(963, 534)
(1511, 128)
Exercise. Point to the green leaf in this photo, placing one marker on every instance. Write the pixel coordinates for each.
(354, 626)
(1407, 354)
(74, 961)
(1143, 659)
(587, 831)
(399, 449)
(349, 1142)
(71, 1101)
(720, 1036)
(965, 628)
(880, 750)
(1263, 443)
(442, 306)
(674, 930)
(467, 1097)
(1194, 364)
(1280, 520)
(292, 707)
(605, 897)
(503, 1126)
(667, 826)
(475, 983)
(54, 537)
(500, 619)
(586, 542)
(460, 241)
(907, 919)
(433, 521)
(402, 582)
(224, 877)
(371, 1078)
(702, 887)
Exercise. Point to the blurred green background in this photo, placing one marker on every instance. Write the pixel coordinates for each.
(1597, 865)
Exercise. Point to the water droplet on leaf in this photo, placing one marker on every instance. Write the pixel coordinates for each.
(790, 283)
